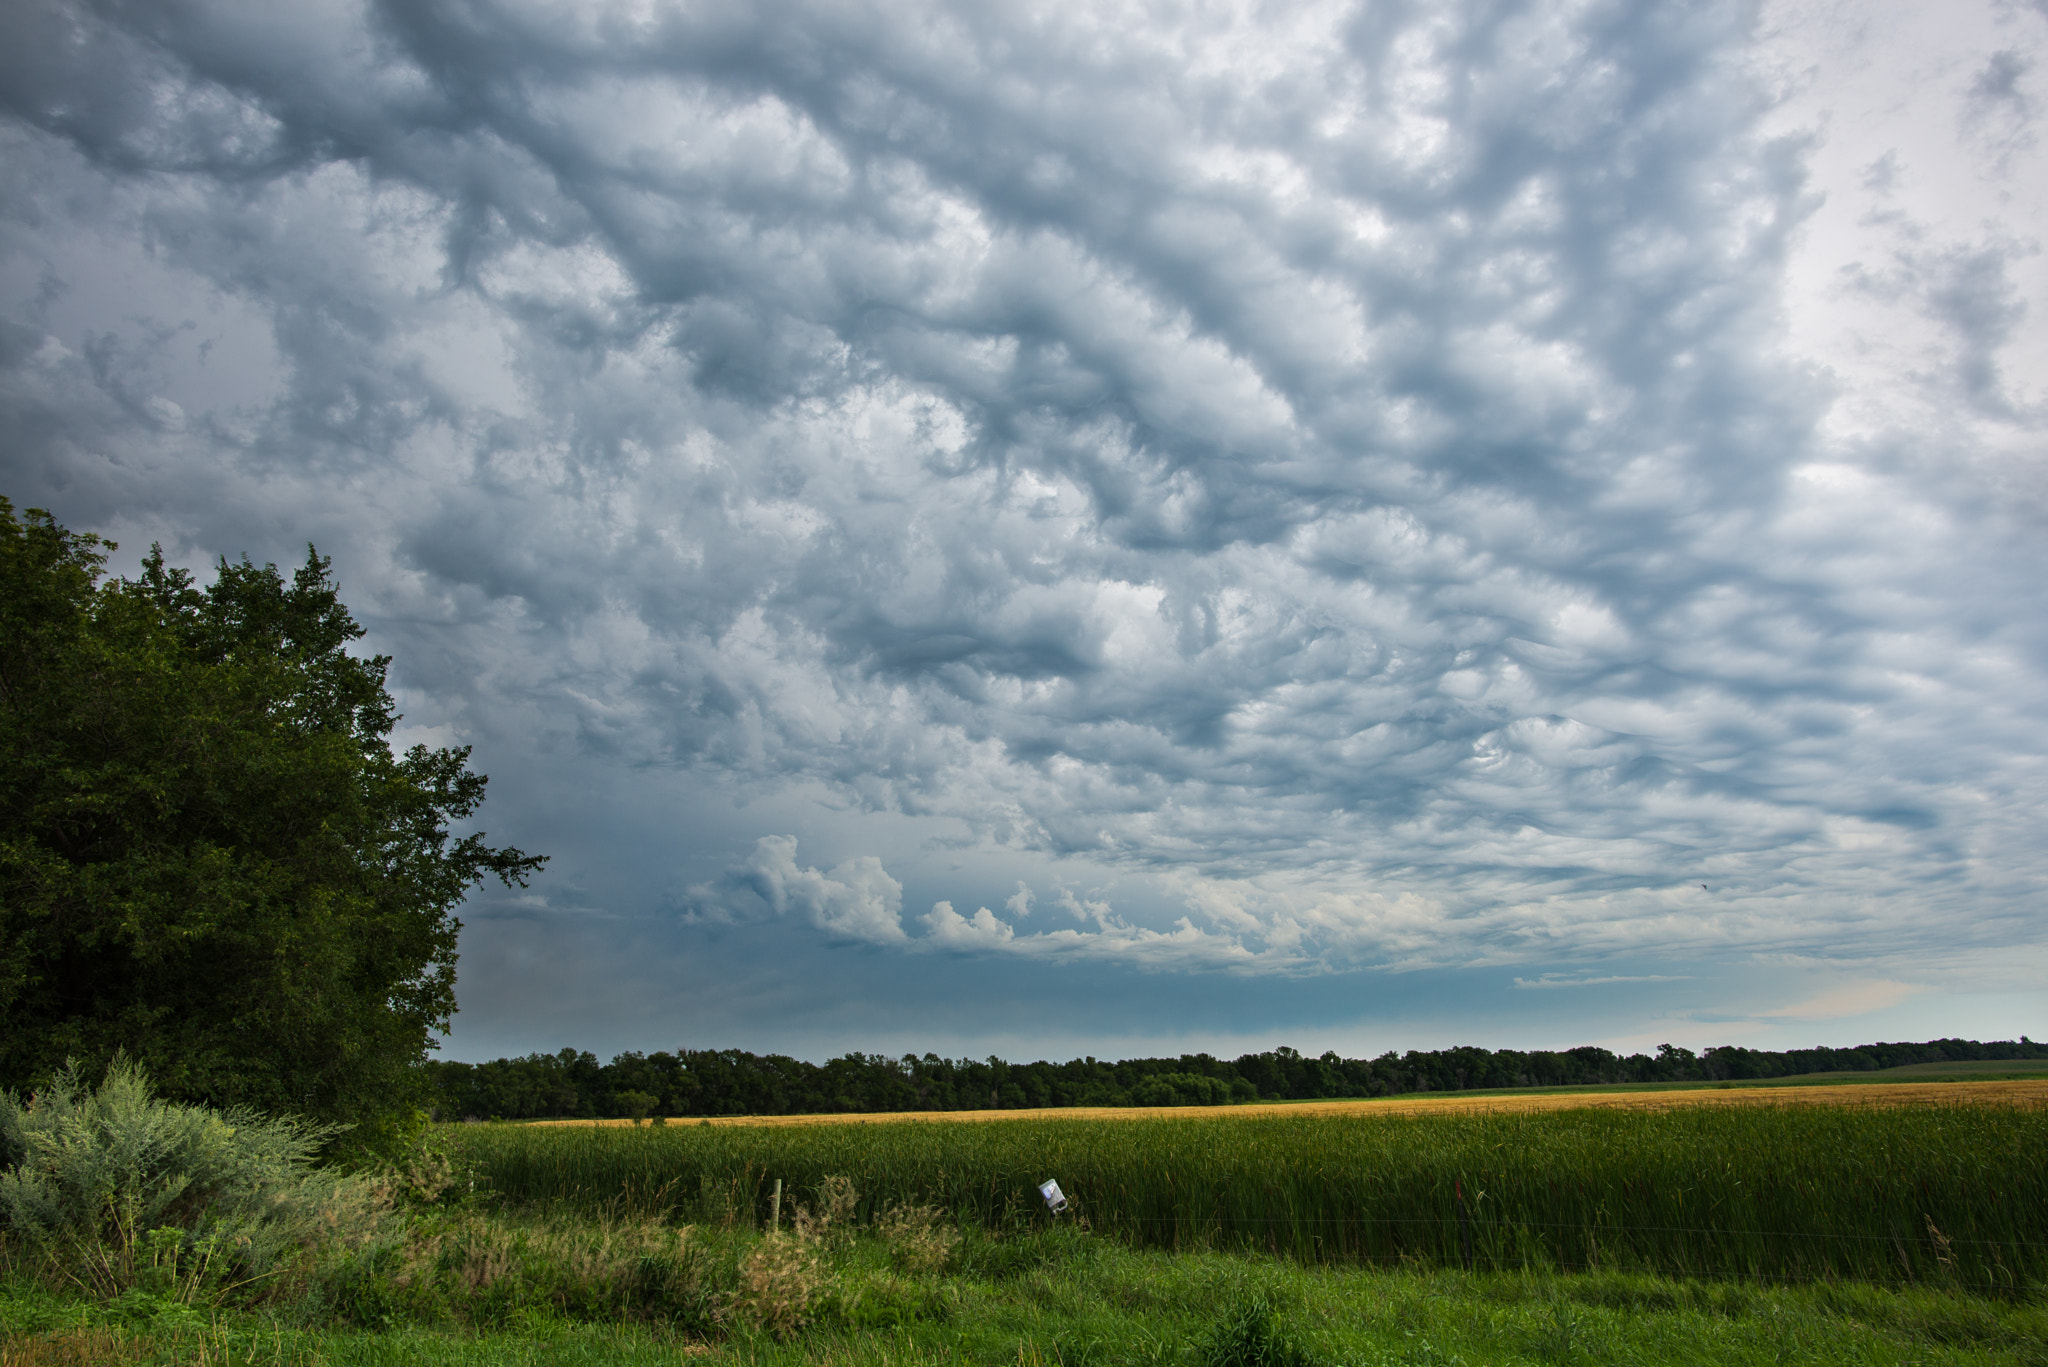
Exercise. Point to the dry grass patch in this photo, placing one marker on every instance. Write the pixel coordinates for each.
(99, 1347)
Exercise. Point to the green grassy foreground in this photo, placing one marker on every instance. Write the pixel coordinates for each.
(1064, 1297)
(1951, 1194)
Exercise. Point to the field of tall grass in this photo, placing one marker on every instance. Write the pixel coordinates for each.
(1943, 1195)
(1733, 1236)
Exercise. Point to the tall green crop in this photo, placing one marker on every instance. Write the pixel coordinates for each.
(1945, 1194)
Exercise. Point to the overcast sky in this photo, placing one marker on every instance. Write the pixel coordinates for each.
(1113, 528)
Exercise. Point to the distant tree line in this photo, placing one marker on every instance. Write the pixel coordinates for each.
(704, 1082)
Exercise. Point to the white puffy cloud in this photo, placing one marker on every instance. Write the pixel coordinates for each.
(857, 900)
(948, 929)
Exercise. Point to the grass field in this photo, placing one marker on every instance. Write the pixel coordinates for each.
(1942, 1184)
(1718, 1229)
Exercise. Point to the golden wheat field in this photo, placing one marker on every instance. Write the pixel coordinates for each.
(2025, 1093)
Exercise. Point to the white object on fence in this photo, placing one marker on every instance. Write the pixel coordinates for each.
(1055, 1201)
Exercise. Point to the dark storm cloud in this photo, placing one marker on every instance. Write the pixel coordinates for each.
(1340, 464)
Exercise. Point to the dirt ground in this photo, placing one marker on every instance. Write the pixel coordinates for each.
(2028, 1093)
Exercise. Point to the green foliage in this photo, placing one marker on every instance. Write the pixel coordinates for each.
(1776, 1191)
(420, 1175)
(1248, 1337)
(209, 856)
(634, 1105)
(117, 1191)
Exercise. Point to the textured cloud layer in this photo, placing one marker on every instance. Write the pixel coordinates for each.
(1463, 483)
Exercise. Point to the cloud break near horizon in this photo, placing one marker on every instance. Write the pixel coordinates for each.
(1113, 528)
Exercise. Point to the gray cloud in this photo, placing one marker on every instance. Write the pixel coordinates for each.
(1343, 471)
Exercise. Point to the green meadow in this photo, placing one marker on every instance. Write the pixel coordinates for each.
(1751, 1235)
(1949, 1194)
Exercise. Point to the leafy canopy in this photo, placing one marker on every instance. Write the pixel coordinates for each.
(209, 855)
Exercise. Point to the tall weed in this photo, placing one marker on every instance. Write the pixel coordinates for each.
(780, 1283)
(916, 1237)
(830, 1221)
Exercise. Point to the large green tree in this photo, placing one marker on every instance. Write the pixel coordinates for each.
(209, 855)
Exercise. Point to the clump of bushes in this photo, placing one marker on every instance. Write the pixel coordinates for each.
(498, 1271)
(112, 1189)
(463, 1266)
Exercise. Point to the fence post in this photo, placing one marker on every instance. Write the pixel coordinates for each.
(775, 1207)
